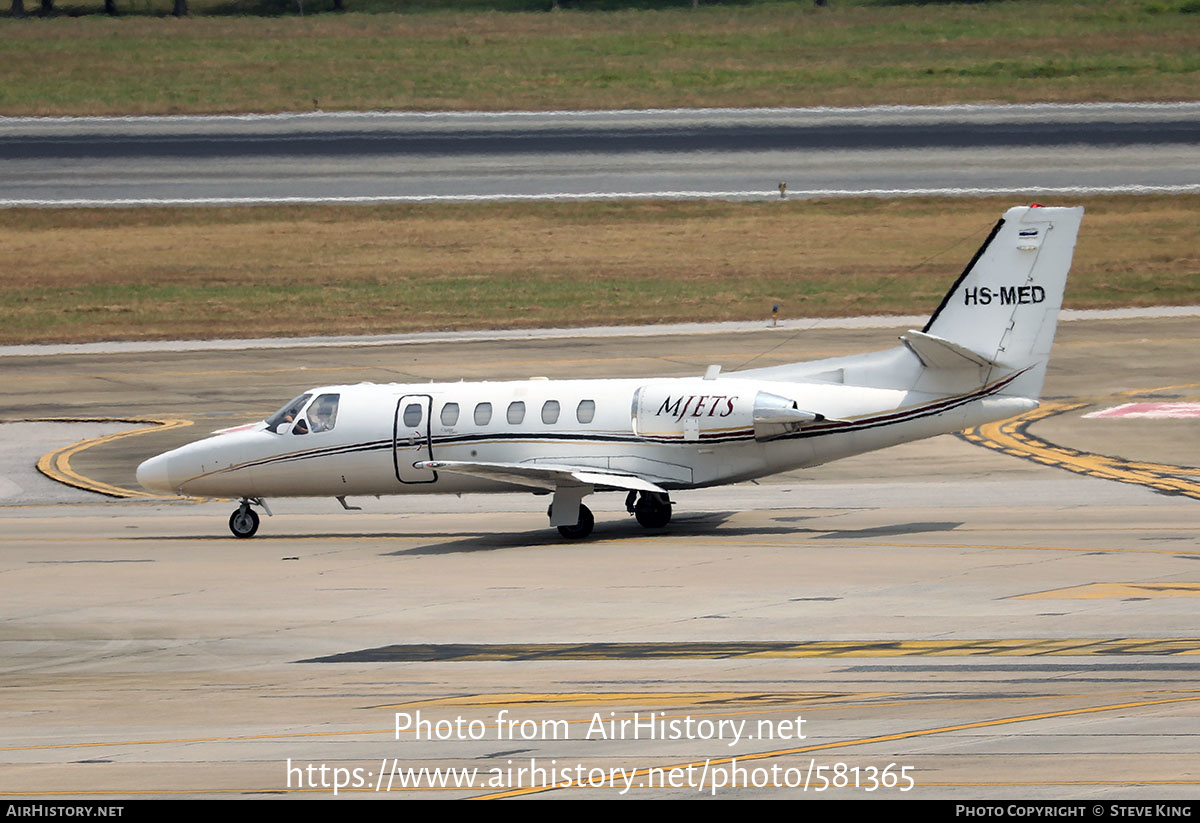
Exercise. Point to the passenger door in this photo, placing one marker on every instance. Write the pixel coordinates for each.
(412, 438)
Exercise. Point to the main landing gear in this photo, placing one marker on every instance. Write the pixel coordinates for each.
(244, 522)
(573, 519)
(652, 509)
(582, 528)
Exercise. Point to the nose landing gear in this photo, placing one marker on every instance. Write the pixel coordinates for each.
(244, 521)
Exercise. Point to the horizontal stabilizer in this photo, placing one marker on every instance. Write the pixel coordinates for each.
(542, 475)
(938, 353)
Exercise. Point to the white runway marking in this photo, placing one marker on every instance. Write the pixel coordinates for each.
(1153, 411)
(948, 110)
(800, 194)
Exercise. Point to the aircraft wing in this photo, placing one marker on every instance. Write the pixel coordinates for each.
(543, 475)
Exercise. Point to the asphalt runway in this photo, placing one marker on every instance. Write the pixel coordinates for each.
(733, 154)
(939, 620)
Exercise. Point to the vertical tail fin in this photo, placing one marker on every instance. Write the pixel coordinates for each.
(1004, 306)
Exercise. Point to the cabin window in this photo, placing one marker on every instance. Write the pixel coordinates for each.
(449, 414)
(550, 412)
(586, 411)
(322, 414)
(516, 412)
(483, 414)
(283, 418)
(412, 415)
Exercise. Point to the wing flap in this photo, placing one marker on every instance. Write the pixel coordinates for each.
(543, 475)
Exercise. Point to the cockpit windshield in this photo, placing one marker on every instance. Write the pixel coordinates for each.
(288, 414)
(320, 416)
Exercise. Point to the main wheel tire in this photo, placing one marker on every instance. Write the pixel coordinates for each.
(581, 529)
(654, 517)
(243, 523)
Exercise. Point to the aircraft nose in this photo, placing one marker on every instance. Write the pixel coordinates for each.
(154, 476)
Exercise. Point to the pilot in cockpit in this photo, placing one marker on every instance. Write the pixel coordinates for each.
(322, 415)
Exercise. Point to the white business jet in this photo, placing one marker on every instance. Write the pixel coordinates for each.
(981, 357)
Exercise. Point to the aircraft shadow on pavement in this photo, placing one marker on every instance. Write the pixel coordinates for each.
(707, 524)
(688, 525)
(697, 525)
(885, 531)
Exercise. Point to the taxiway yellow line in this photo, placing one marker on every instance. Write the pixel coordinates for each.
(789, 702)
(1136, 392)
(389, 732)
(1015, 783)
(760, 755)
(1103, 591)
(367, 790)
(57, 464)
(862, 741)
(1011, 437)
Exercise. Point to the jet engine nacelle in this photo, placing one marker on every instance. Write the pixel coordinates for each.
(775, 416)
(694, 410)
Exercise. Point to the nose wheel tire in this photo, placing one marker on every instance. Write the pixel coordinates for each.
(243, 522)
(581, 529)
